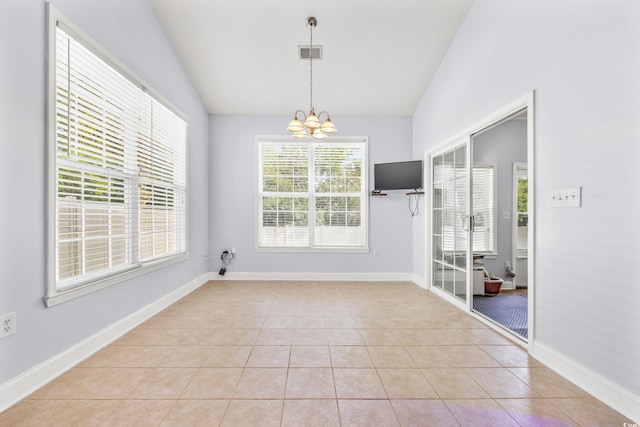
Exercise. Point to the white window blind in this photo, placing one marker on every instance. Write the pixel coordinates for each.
(484, 202)
(118, 169)
(452, 196)
(312, 195)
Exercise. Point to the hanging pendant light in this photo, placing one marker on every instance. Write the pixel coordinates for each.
(317, 128)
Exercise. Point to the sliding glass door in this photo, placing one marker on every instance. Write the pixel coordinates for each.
(450, 221)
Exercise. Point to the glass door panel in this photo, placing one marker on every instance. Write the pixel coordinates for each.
(449, 234)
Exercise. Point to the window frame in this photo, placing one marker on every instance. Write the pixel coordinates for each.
(494, 223)
(54, 294)
(364, 248)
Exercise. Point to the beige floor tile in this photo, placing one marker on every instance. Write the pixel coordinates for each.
(310, 383)
(500, 383)
(279, 322)
(275, 337)
(309, 322)
(430, 356)
(536, 412)
(511, 356)
(336, 309)
(588, 411)
(380, 337)
(304, 309)
(358, 384)
(480, 336)
(177, 357)
(212, 383)
(344, 322)
(344, 337)
(406, 384)
(311, 356)
(309, 337)
(364, 413)
(244, 346)
(480, 413)
(142, 336)
(138, 413)
(283, 309)
(547, 383)
(269, 356)
(31, 413)
(470, 356)
(258, 413)
(228, 356)
(454, 383)
(423, 413)
(390, 357)
(310, 413)
(373, 322)
(82, 413)
(418, 337)
(93, 383)
(261, 383)
(163, 383)
(192, 413)
(220, 337)
(250, 413)
(346, 356)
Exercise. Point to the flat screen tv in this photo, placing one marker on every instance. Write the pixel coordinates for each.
(398, 175)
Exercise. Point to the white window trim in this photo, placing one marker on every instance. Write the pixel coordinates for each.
(365, 200)
(53, 295)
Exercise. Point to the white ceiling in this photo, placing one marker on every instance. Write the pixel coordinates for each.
(378, 55)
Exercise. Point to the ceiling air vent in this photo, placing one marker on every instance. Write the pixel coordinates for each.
(305, 52)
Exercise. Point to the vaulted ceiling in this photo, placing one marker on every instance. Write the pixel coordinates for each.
(378, 55)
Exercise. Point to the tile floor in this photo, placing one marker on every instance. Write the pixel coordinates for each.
(311, 354)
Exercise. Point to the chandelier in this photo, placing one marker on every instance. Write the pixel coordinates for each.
(311, 123)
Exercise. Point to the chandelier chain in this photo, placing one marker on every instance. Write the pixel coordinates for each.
(311, 67)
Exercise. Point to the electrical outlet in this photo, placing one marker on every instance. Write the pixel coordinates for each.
(205, 255)
(233, 251)
(7, 325)
(376, 253)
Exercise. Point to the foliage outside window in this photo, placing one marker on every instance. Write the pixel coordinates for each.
(312, 195)
(117, 161)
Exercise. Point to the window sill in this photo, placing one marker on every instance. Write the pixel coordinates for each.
(358, 250)
(58, 297)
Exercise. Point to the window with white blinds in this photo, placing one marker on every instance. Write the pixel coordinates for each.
(312, 195)
(117, 169)
(484, 206)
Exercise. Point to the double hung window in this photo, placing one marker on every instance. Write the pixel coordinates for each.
(116, 170)
(312, 195)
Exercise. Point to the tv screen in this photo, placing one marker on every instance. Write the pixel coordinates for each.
(398, 175)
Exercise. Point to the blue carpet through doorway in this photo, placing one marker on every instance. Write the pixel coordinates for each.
(508, 310)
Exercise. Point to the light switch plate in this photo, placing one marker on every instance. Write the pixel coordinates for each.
(567, 198)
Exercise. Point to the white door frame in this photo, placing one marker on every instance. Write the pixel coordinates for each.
(441, 149)
(523, 103)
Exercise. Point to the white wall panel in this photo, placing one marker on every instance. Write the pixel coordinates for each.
(582, 58)
(129, 30)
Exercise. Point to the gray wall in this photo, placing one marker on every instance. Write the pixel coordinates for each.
(503, 145)
(233, 198)
(126, 28)
(582, 58)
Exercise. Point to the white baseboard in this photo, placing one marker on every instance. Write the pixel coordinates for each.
(319, 277)
(620, 399)
(26, 383)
